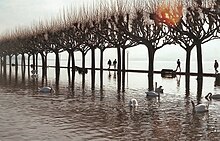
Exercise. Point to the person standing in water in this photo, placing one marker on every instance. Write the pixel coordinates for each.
(114, 63)
(178, 65)
(109, 63)
(216, 66)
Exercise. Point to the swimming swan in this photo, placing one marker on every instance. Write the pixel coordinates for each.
(152, 94)
(200, 108)
(210, 96)
(155, 93)
(133, 102)
(45, 89)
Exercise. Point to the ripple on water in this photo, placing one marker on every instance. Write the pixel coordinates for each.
(103, 115)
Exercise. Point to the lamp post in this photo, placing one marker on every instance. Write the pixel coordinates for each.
(127, 66)
(127, 59)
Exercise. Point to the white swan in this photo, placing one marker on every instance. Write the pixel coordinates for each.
(45, 89)
(199, 108)
(133, 102)
(152, 94)
(155, 93)
(212, 96)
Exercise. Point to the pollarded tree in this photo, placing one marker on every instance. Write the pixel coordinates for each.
(196, 27)
(143, 30)
(114, 37)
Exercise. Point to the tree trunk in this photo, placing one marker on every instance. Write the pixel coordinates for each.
(93, 68)
(1, 65)
(123, 69)
(10, 63)
(101, 68)
(46, 63)
(57, 67)
(119, 68)
(68, 64)
(36, 67)
(43, 64)
(33, 65)
(151, 68)
(5, 68)
(83, 68)
(199, 60)
(188, 56)
(73, 70)
(29, 56)
(16, 66)
(23, 65)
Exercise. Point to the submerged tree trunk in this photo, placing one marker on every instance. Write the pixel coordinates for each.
(33, 65)
(188, 56)
(10, 63)
(5, 68)
(43, 64)
(101, 68)
(16, 66)
(123, 69)
(1, 65)
(68, 64)
(199, 60)
(151, 53)
(57, 67)
(36, 67)
(29, 56)
(119, 68)
(73, 70)
(93, 68)
(83, 69)
(23, 65)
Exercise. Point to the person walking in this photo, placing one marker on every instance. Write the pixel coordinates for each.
(109, 63)
(178, 65)
(114, 63)
(216, 66)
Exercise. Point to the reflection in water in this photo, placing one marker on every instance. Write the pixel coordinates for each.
(187, 85)
(178, 77)
(83, 114)
(114, 75)
(199, 89)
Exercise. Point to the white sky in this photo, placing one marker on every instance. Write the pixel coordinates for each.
(16, 13)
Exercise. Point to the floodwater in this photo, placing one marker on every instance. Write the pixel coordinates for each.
(72, 113)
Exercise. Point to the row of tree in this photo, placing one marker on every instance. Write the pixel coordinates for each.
(119, 24)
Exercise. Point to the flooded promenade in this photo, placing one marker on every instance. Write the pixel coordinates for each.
(82, 114)
(94, 103)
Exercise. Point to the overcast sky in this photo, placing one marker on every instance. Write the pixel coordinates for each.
(14, 13)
